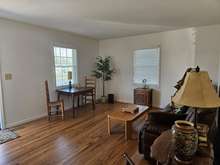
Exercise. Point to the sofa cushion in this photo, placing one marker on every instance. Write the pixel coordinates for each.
(166, 118)
(155, 129)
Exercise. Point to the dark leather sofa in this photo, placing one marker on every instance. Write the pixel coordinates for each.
(163, 120)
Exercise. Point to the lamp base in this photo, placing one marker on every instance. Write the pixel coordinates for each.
(195, 118)
(70, 85)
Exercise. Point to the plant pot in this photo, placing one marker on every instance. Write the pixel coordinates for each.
(111, 98)
(103, 99)
(185, 138)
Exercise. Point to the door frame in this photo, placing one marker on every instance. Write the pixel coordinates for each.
(2, 112)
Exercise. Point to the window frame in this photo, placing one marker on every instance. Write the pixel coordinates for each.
(159, 65)
(54, 65)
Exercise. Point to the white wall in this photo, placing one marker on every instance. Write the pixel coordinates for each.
(208, 50)
(179, 49)
(26, 52)
(177, 53)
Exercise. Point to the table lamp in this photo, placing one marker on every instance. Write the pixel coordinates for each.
(70, 79)
(197, 91)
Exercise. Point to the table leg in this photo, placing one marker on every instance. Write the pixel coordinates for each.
(58, 96)
(78, 101)
(128, 130)
(85, 100)
(93, 102)
(74, 110)
(109, 125)
(57, 107)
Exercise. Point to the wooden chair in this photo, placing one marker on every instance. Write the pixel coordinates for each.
(59, 104)
(91, 83)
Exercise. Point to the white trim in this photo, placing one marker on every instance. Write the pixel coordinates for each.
(8, 125)
(77, 67)
(124, 101)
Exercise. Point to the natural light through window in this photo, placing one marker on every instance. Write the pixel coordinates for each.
(146, 66)
(65, 61)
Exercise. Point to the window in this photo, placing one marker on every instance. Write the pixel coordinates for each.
(65, 61)
(146, 66)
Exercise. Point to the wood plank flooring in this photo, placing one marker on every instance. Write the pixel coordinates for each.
(80, 141)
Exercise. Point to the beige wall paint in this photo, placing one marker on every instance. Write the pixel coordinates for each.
(177, 53)
(26, 52)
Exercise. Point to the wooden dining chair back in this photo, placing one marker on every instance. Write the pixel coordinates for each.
(90, 82)
(58, 104)
(47, 92)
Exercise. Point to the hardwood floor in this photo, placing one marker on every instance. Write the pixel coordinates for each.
(80, 141)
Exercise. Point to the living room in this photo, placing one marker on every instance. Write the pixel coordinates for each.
(184, 35)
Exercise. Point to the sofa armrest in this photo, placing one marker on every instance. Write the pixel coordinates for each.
(166, 118)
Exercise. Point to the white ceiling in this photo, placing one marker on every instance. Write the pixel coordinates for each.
(103, 19)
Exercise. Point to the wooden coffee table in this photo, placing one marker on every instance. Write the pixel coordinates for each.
(126, 117)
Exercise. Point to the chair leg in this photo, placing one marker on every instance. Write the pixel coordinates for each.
(85, 100)
(93, 102)
(78, 101)
(49, 112)
(49, 117)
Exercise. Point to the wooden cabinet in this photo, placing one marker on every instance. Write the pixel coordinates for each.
(143, 96)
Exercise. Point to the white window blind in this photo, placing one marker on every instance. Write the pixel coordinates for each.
(65, 61)
(146, 66)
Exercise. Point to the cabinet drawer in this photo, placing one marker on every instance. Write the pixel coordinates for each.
(143, 96)
(139, 91)
(139, 99)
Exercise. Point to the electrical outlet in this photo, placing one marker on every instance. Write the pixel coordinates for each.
(8, 76)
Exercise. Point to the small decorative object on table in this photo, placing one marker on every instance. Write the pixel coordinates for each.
(185, 138)
(70, 78)
(130, 110)
(144, 81)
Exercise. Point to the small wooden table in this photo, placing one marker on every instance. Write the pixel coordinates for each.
(162, 151)
(76, 92)
(126, 117)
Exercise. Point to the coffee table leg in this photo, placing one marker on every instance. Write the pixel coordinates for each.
(109, 125)
(128, 130)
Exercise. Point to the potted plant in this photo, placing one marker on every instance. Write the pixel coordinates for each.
(104, 72)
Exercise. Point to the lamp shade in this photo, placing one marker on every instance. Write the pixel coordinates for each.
(69, 75)
(197, 91)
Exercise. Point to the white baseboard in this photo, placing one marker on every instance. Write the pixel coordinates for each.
(124, 101)
(8, 125)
